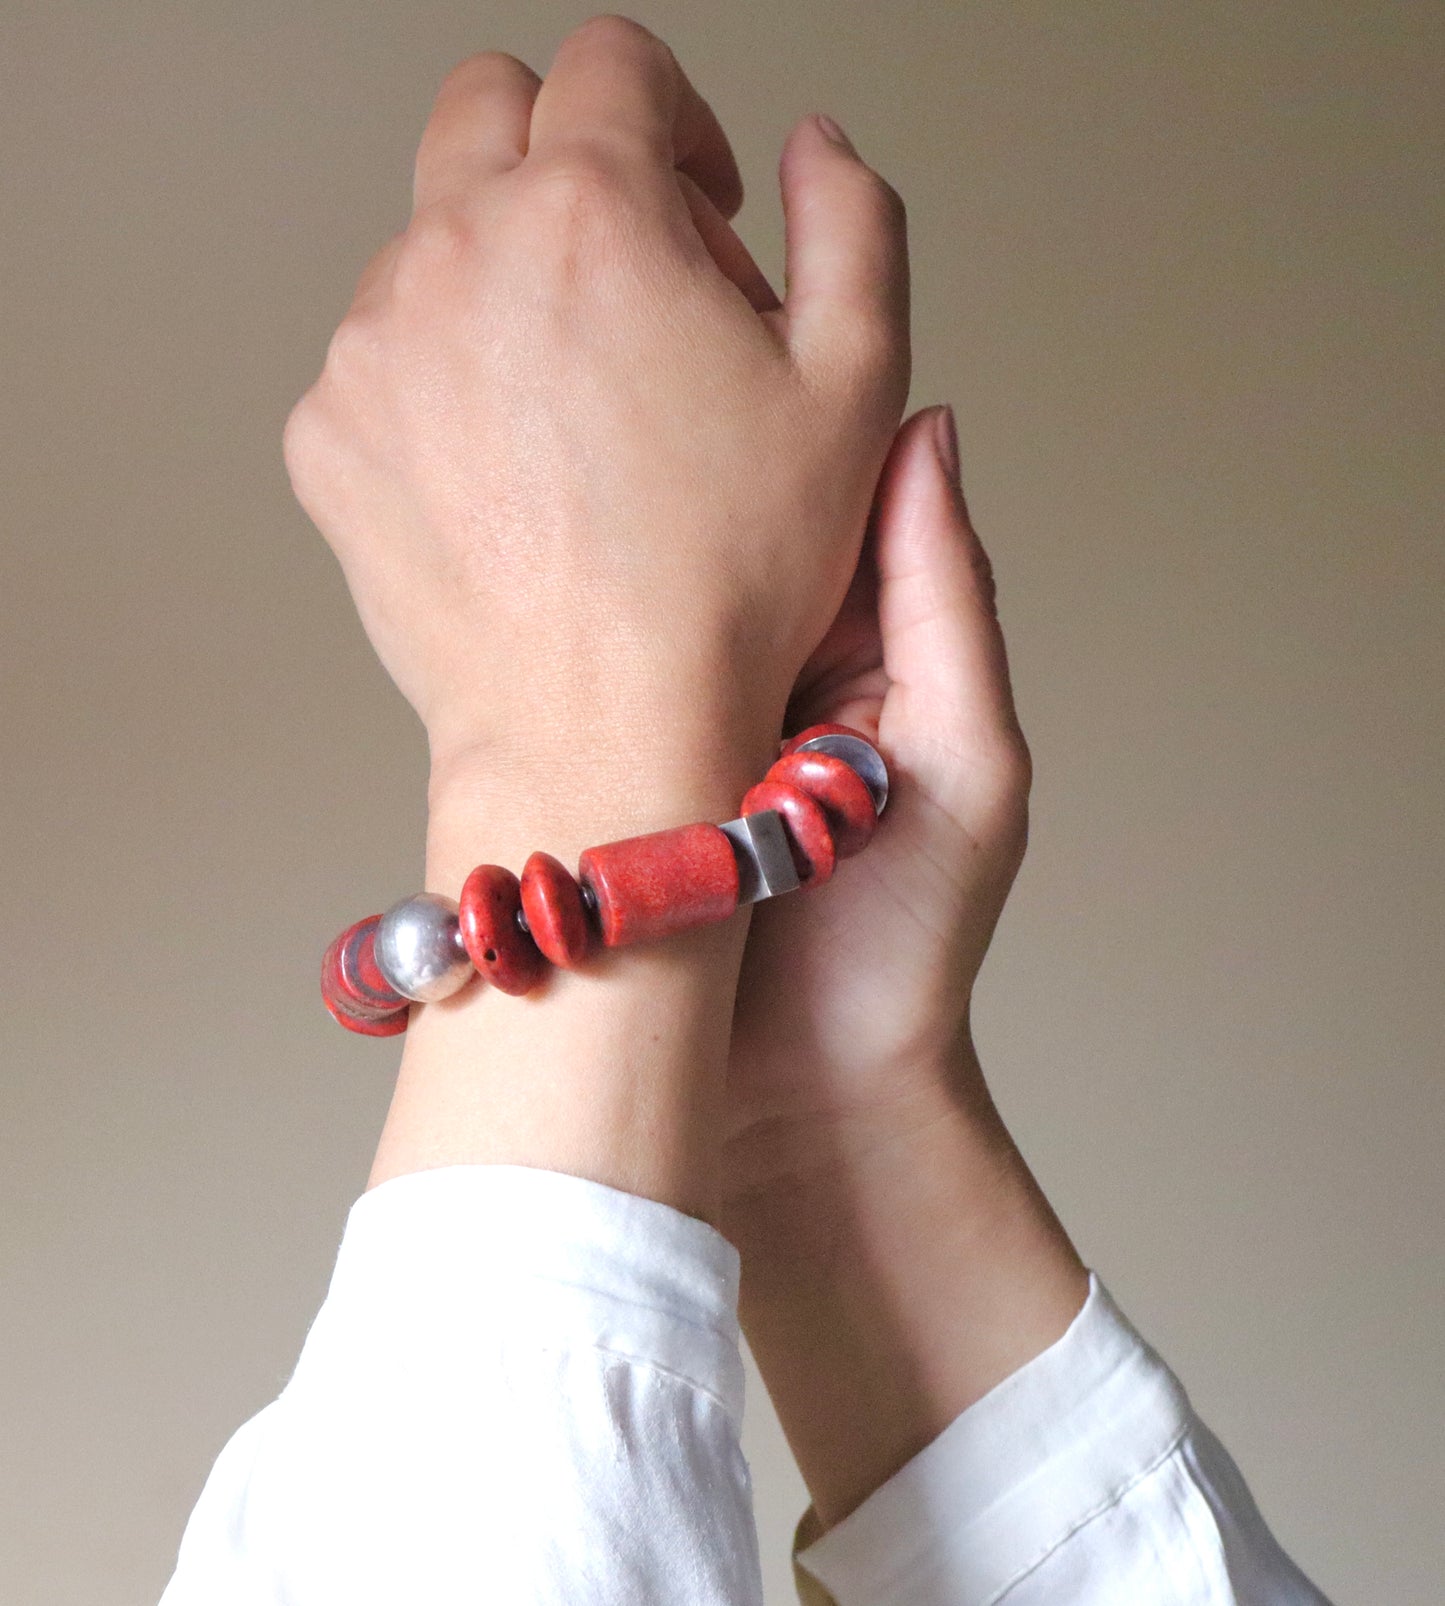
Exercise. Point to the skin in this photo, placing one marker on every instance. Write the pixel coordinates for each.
(898, 1258)
(601, 497)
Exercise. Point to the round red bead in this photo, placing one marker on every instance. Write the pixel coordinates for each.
(841, 791)
(495, 943)
(552, 903)
(656, 885)
(353, 987)
(809, 835)
(792, 744)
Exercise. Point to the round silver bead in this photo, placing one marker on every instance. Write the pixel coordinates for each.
(419, 948)
(858, 755)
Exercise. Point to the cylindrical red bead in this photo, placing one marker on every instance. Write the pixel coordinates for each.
(353, 987)
(552, 903)
(809, 834)
(656, 885)
(841, 791)
(792, 744)
(495, 943)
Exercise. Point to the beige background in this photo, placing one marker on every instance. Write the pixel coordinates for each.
(1178, 266)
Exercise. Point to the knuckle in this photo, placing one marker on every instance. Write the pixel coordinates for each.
(436, 241)
(473, 75)
(607, 29)
(352, 348)
(460, 80)
(302, 442)
(579, 185)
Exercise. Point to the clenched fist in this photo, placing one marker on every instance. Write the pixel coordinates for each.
(580, 465)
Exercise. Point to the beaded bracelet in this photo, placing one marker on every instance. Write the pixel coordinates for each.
(819, 803)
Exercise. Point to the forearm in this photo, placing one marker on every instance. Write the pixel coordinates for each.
(897, 1281)
(613, 1072)
(496, 1329)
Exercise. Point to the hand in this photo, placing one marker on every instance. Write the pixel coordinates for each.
(597, 493)
(853, 1008)
(594, 490)
(899, 1260)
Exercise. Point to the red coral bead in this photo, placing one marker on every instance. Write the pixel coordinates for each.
(366, 1025)
(350, 974)
(840, 789)
(653, 886)
(353, 987)
(793, 743)
(556, 917)
(495, 943)
(809, 834)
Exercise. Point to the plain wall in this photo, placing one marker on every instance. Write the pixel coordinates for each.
(1178, 266)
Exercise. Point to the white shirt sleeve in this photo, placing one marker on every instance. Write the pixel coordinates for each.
(1085, 1479)
(522, 1387)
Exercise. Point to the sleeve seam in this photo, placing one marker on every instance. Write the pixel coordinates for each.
(1110, 1500)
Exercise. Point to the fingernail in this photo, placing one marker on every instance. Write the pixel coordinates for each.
(833, 132)
(946, 434)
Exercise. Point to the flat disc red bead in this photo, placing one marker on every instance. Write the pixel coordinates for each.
(367, 1026)
(841, 791)
(495, 943)
(654, 886)
(353, 987)
(552, 903)
(809, 835)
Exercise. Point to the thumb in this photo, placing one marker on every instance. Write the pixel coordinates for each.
(950, 705)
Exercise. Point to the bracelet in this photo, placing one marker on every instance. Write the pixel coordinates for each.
(818, 803)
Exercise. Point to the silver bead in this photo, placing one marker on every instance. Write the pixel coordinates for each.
(765, 861)
(419, 948)
(859, 755)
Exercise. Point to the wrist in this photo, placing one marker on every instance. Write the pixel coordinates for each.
(830, 1186)
(614, 1072)
(908, 1272)
(576, 785)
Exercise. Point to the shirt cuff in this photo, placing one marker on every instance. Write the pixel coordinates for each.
(573, 1263)
(1011, 1478)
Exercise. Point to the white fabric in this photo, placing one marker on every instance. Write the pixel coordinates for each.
(524, 1387)
(1085, 1478)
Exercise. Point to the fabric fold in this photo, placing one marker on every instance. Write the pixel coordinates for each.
(1013, 1476)
(575, 1262)
(521, 1386)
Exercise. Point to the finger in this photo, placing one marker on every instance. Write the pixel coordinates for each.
(847, 257)
(478, 126)
(943, 648)
(614, 86)
(727, 250)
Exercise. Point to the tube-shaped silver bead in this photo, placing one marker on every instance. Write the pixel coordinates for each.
(419, 948)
